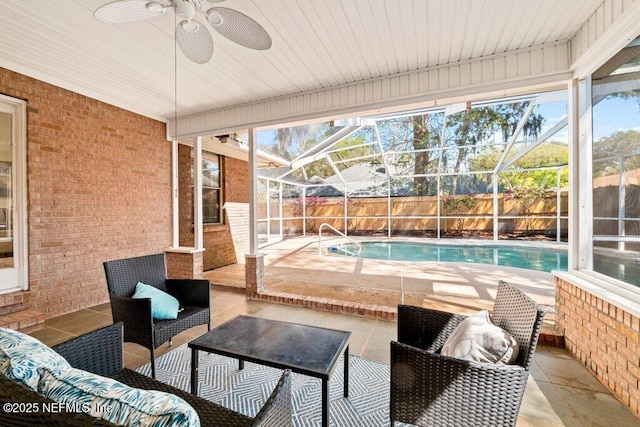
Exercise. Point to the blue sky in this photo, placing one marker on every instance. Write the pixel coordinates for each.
(615, 114)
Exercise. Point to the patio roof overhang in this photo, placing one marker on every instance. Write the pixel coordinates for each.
(328, 60)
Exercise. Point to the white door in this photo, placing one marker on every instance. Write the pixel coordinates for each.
(13, 229)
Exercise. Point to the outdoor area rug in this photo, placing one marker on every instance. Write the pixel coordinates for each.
(246, 391)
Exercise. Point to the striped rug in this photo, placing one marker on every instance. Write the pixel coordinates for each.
(246, 391)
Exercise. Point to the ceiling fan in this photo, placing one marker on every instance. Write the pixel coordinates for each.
(192, 37)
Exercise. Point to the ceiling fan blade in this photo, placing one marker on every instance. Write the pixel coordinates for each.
(196, 44)
(121, 11)
(241, 29)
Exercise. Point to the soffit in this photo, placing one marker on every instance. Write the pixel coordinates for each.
(316, 45)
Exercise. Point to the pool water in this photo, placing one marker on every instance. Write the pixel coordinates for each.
(531, 258)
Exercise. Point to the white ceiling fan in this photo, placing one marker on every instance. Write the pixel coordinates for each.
(192, 37)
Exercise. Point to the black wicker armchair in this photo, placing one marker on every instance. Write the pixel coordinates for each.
(428, 389)
(100, 352)
(139, 326)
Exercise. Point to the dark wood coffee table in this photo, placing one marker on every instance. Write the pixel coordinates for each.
(307, 350)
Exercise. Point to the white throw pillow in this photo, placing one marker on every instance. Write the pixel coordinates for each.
(478, 340)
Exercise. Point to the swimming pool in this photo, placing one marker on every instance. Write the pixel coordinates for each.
(532, 258)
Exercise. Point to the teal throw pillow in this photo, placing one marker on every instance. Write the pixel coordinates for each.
(163, 305)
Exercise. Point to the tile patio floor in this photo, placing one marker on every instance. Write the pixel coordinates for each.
(560, 391)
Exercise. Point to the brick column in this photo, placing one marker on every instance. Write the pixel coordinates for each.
(184, 264)
(254, 274)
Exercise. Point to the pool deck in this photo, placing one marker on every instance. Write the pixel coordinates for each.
(294, 267)
(560, 391)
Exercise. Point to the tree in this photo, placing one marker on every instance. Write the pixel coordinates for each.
(292, 141)
(608, 150)
(465, 131)
(518, 180)
(475, 125)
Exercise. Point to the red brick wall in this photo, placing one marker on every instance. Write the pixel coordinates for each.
(99, 188)
(605, 338)
(236, 180)
(185, 197)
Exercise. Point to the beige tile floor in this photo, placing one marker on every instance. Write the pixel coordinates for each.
(560, 391)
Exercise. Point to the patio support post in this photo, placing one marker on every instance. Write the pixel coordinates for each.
(254, 262)
(581, 144)
(573, 139)
(186, 262)
(197, 196)
(175, 198)
(253, 192)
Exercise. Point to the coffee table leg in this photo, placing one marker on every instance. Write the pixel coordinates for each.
(240, 364)
(325, 402)
(194, 371)
(346, 372)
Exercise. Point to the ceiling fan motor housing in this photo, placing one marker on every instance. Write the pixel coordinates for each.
(185, 9)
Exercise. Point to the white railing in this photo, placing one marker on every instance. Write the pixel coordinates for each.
(324, 224)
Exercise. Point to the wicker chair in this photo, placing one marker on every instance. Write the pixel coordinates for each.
(100, 352)
(139, 326)
(428, 389)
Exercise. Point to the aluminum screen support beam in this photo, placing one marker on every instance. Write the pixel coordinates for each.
(496, 206)
(558, 204)
(439, 175)
(513, 138)
(622, 197)
(318, 150)
(335, 169)
(548, 134)
(386, 172)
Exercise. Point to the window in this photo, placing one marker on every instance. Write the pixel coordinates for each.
(13, 196)
(616, 166)
(211, 189)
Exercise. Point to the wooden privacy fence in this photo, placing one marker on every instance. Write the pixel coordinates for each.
(419, 214)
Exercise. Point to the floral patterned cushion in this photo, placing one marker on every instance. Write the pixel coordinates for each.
(478, 340)
(21, 355)
(115, 402)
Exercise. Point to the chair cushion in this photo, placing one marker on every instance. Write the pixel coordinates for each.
(21, 355)
(113, 401)
(478, 340)
(163, 305)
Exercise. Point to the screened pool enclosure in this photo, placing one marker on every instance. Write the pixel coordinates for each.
(494, 169)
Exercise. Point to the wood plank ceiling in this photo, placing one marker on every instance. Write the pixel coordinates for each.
(316, 44)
